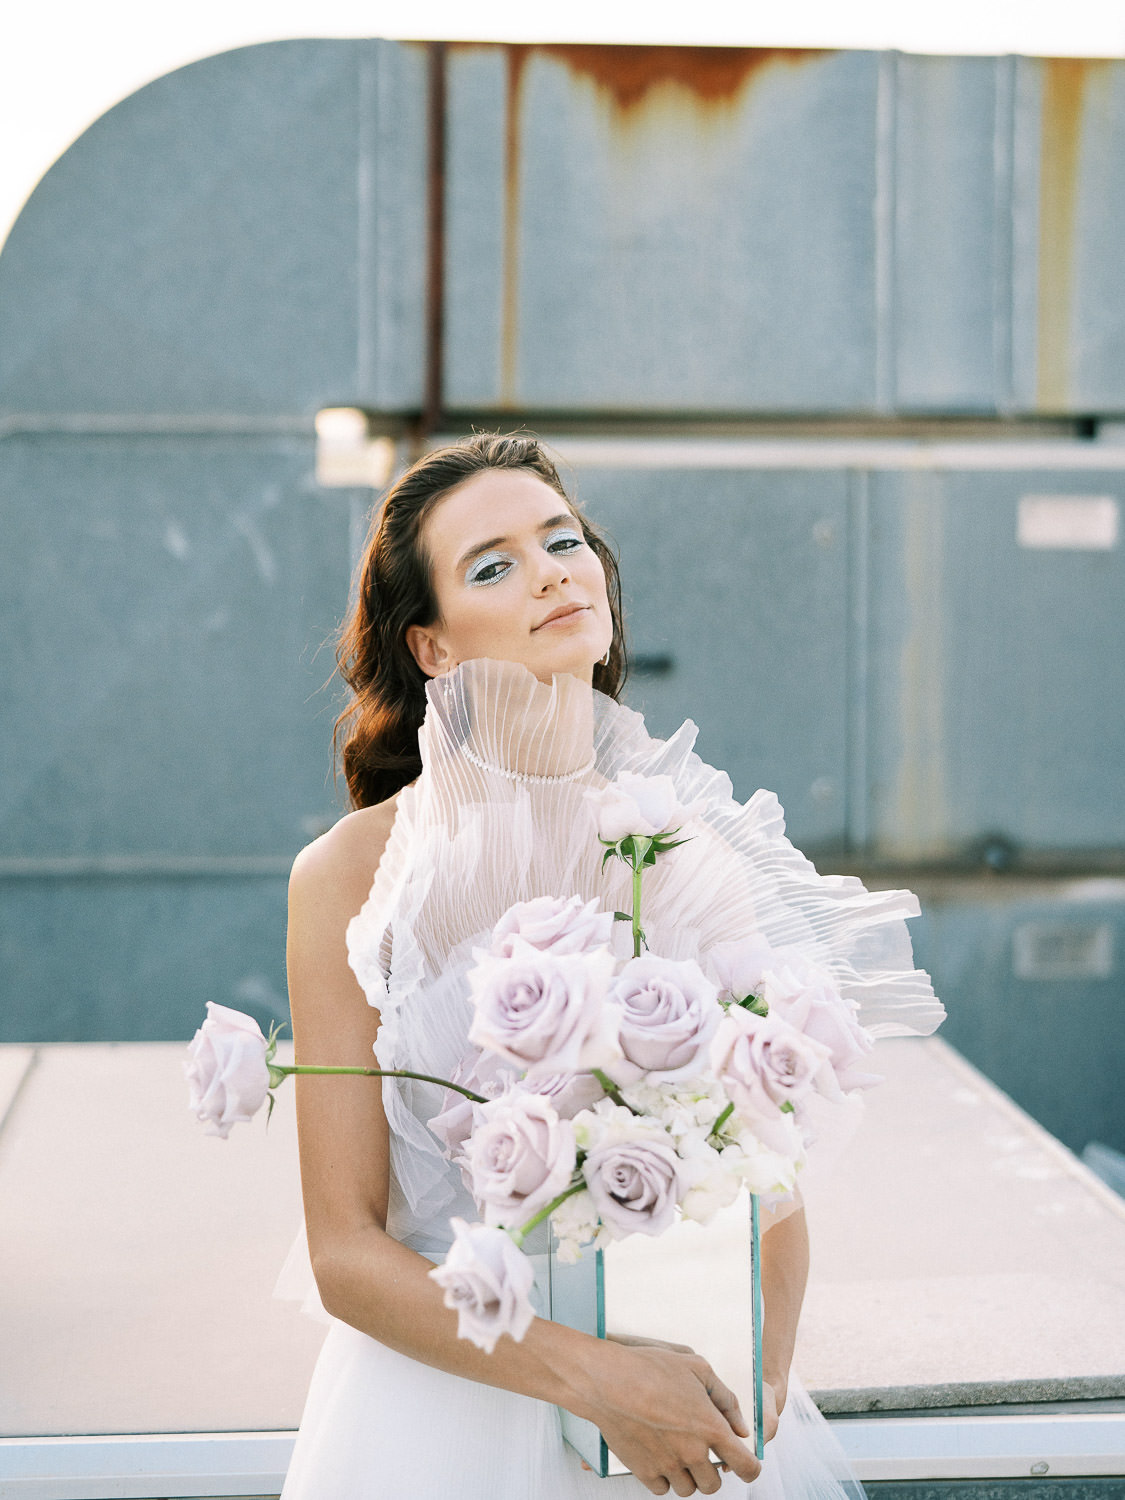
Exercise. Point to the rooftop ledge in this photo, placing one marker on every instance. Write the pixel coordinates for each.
(968, 1276)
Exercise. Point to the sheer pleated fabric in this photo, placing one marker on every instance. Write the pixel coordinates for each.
(500, 814)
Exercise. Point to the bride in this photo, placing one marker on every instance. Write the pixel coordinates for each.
(485, 652)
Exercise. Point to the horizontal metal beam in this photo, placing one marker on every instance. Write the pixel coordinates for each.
(148, 866)
(245, 1464)
(831, 453)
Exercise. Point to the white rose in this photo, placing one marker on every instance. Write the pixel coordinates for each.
(642, 805)
(769, 1173)
(545, 1012)
(708, 1181)
(227, 1073)
(553, 926)
(574, 1222)
(487, 1282)
(669, 1013)
(520, 1156)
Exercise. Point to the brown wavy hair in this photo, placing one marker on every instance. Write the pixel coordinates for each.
(376, 736)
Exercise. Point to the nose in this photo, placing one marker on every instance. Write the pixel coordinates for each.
(553, 569)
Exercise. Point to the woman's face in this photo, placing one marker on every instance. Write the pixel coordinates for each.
(514, 580)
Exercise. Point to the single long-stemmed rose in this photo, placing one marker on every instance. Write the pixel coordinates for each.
(638, 818)
(232, 1070)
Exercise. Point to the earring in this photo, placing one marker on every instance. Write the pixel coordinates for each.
(605, 658)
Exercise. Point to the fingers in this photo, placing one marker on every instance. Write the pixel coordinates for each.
(705, 1478)
(738, 1457)
(727, 1402)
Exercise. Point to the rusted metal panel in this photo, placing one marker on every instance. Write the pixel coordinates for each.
(951, 246)
(661, 229)
(1069, 214)
(736, 593)
(997, 671)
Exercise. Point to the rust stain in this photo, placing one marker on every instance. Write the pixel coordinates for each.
(1065, 85)
(715, 76)
(510, 267)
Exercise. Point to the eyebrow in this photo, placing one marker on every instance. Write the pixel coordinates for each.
(499, 541)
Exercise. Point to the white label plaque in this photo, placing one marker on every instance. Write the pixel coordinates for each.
(1084, 523)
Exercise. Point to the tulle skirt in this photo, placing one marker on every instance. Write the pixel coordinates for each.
(381, 1426)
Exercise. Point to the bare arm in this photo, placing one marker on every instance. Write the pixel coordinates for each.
(785, 1271)
(660, 1410)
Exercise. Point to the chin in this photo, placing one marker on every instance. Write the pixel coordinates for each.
(578, 662)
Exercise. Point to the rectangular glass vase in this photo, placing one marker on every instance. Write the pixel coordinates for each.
(667, 1276)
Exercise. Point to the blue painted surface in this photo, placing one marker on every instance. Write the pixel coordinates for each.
(164, 606)
(1054, 1040)
(244, 242)
(998, 671)
(738, 579)
(243, 237)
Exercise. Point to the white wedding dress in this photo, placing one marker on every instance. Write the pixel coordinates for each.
(499, 815)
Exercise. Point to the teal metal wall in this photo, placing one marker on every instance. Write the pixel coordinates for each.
(857, 248)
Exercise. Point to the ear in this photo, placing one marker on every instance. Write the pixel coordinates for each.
(426, 646)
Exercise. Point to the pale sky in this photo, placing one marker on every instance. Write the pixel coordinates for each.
(63, 64)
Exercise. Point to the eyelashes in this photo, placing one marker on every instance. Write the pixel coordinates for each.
(494, 566)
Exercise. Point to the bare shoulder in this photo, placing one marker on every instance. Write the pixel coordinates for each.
(340, 865)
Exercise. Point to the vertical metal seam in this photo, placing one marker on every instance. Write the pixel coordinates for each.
(435, 239)
(884, 209)
(856, 671)
(365, 248)
(1003, 263)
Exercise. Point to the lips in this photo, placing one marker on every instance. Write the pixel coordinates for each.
(564, 612)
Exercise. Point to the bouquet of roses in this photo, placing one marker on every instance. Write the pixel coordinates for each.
(610, 1095)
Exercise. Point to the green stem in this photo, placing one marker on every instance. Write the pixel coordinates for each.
(519, 1235)
(722, 1120)
(637, 872)
(381, 1073)
(610, 1087)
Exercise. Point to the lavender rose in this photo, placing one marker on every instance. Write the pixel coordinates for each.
(553, 926)
(487, 1282)
(631, 1170)
(739, 967)
(568, 1092)
(483, 1073)
(669, 1013)
(520, 1156)
(641, 805)
(764, 1064)
(545, 1011)
(227, 1073)
(804, 995)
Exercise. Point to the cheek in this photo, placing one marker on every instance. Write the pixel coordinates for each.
(592, 577)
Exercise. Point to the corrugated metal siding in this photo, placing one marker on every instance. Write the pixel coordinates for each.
(244, 237)
(668, 232)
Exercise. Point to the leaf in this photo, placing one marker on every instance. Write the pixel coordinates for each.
(755, 1004)
(787, 1108)
(623, 916)
(269, 1111)
(608, 855)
